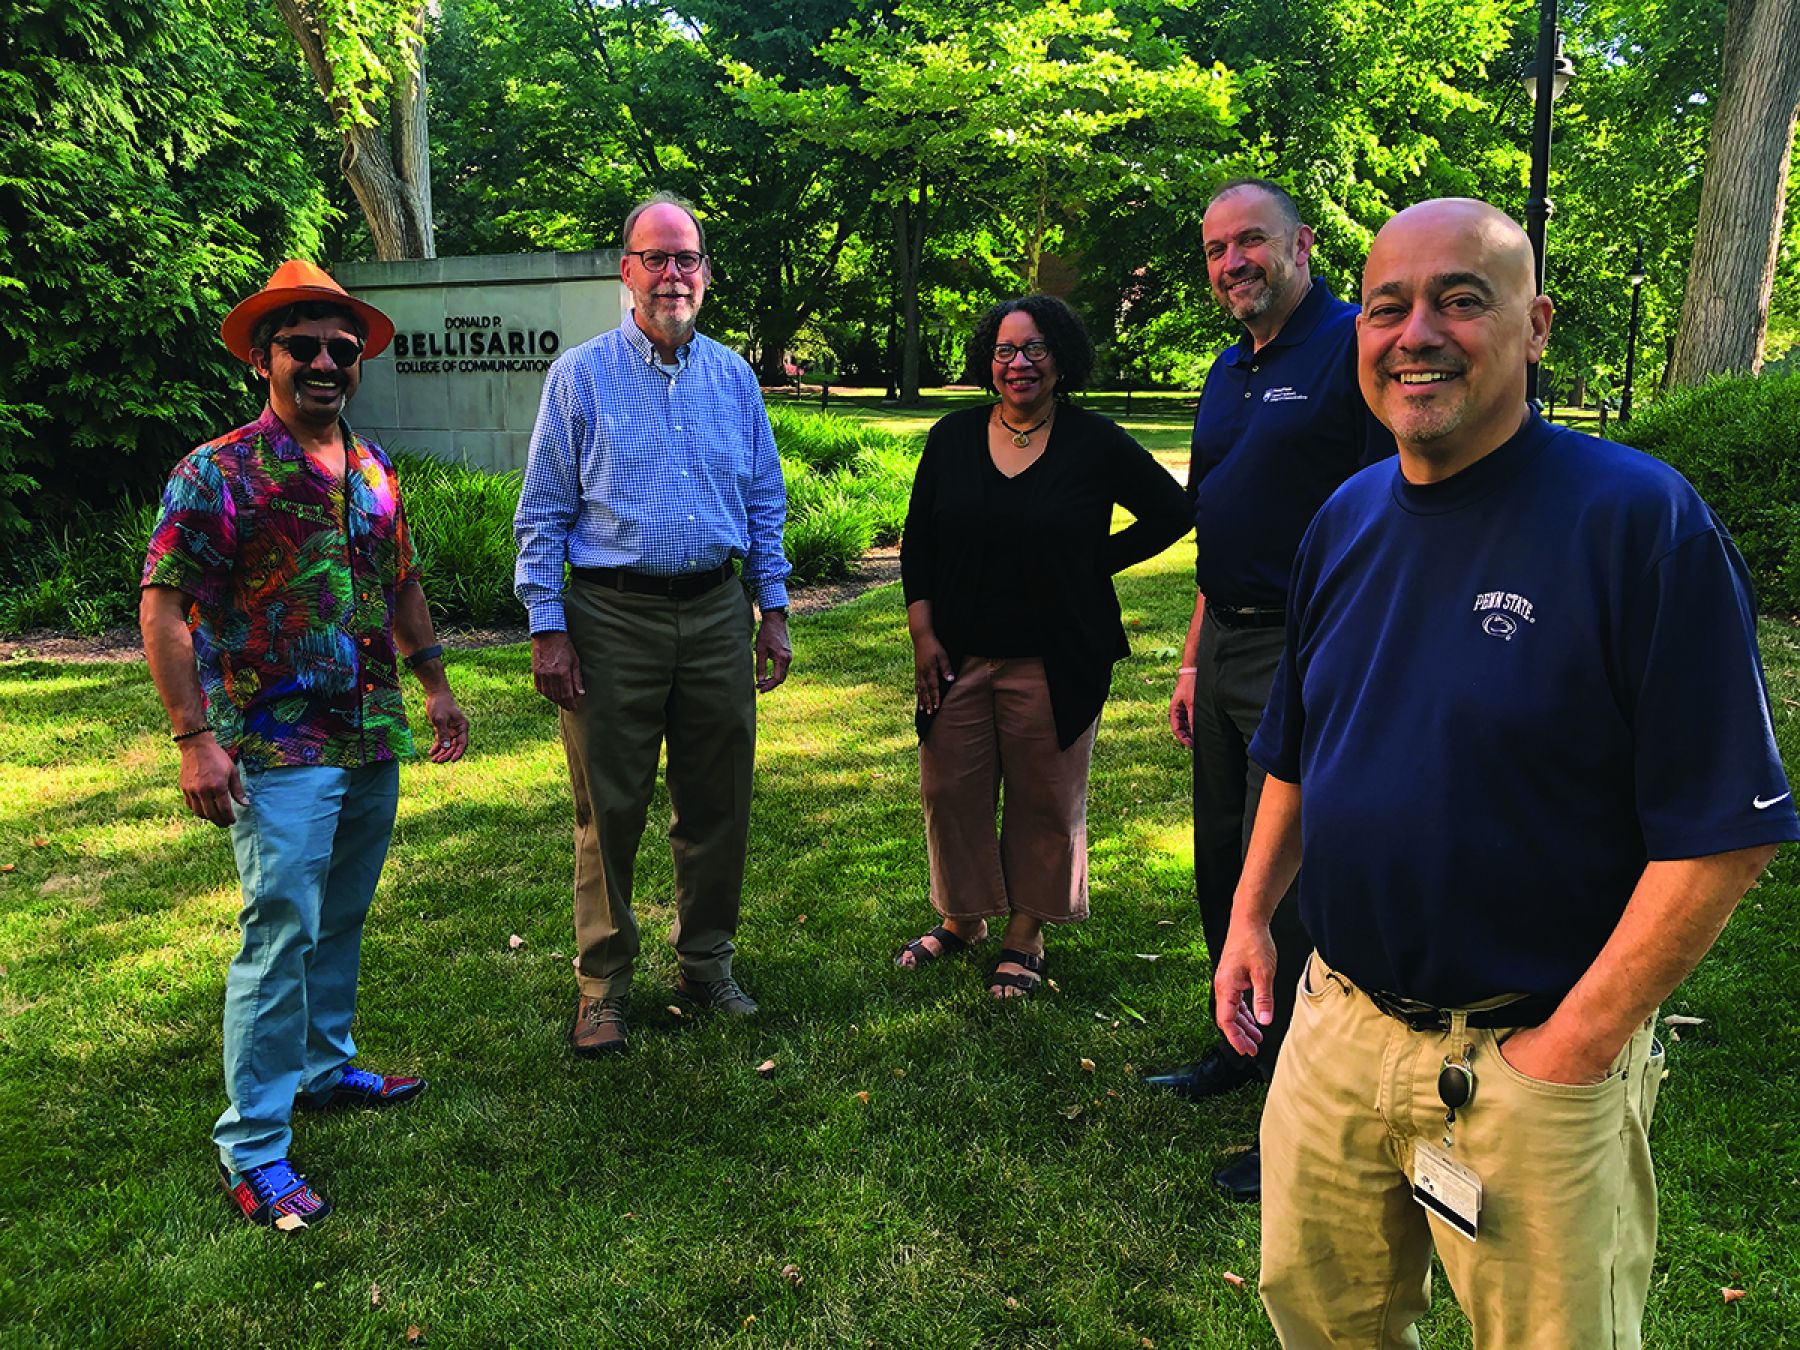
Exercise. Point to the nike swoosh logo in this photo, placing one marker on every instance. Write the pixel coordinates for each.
(1762, 805)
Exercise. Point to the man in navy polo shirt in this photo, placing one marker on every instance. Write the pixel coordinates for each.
(1523, 705)
(1281, 423)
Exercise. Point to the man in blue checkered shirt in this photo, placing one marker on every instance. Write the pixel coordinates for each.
(652, 470)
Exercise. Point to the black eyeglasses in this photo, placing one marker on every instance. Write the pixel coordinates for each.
(304, 348)
(686, 262)
(1035, 350)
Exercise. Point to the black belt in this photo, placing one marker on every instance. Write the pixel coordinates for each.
(1246, 616)
(685, 586)
(1523, 1011)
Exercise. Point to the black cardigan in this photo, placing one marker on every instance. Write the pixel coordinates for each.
(1058, 517)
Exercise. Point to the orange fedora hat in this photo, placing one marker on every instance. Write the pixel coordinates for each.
(294, 282)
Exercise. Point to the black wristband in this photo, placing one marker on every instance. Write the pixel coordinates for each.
(424, 654)
(189, 735)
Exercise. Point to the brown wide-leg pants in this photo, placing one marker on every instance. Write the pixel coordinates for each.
(995, 728)
(658, 670)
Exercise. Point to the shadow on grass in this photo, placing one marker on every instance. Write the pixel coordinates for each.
(913, 1146)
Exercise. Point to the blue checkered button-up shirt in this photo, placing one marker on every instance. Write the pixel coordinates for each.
(632, 466)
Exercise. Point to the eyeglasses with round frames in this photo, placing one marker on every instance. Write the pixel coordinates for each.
(304, 348)
(1035, 350)
(687, 262)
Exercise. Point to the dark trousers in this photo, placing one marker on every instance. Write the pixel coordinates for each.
(659, 673)
(1231, 685)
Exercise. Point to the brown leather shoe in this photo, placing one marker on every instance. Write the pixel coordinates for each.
(599, 1027)
(721, 995)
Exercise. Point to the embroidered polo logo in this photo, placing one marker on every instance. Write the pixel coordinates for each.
(1283, 394)
(1503, 613)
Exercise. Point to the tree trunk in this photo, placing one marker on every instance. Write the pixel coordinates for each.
(1725, 312)
(388, 165)
(909, 255)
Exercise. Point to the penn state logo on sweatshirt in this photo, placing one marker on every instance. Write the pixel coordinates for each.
(1504, 614)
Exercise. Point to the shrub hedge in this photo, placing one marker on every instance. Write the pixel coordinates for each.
(1737, 440)
(847, 489)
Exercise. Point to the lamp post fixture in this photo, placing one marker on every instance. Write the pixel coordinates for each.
(1551, 70)
(1636, 278)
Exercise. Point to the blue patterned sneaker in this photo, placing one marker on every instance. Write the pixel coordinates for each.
(275, 1196)
(359, 1087)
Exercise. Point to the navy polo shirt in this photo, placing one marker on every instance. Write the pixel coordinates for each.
(1502, 695)
(1276, 432)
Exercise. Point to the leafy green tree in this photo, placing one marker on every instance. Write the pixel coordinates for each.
(1030, 112)
(149, 178)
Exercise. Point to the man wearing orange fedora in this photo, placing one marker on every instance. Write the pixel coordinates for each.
(280, 600)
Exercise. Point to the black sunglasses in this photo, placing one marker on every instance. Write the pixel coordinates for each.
(304, 348)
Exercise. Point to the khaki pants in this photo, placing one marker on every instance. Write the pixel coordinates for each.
(659, 670)
(1568, 1215)
(995, 726)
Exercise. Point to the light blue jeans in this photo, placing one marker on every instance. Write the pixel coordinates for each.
(309, 846)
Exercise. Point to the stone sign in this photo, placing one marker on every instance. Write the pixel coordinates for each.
(472, 340)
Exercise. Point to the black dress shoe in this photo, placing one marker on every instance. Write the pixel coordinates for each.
(1241, 1178)
(1224, 1070)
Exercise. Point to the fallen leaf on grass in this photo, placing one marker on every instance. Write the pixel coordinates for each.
(862, 1096)
(1683, 1020)
(1674, 1035)
(791, 1273)
(40, 843)
(287, 1223)
(899, 1073)
(1148, 956)
(374, 1294)
(515, 942)
(556, 956)
(1731, 1295)
(1011, 1302)
(1147, 1343)
(415, 1334)
(1232, 1278)
(749, 1321)
(766, 1068)
(1070, 1112)
(1087, 1065)
(1055, 988)
(9, 867)
(674, 1010)
(1165, 923)
(801, 919)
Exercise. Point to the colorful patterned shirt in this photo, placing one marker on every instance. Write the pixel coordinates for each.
(293, 610)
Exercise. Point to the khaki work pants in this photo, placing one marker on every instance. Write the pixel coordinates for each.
(1568, 1216)
(658, 670)
(995, 727)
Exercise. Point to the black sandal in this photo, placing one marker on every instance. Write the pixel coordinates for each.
(1025, 984)
(949, 944)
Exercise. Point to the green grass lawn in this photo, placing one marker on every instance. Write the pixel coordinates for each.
(1163, 420)
(985, 1191)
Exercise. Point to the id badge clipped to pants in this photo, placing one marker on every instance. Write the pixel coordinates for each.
(1441, 1184)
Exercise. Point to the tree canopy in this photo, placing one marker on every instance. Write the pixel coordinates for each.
(871, 172)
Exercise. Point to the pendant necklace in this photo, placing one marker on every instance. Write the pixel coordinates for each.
(1021, 436)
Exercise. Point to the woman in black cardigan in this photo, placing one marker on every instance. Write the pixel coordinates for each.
(1007, 561)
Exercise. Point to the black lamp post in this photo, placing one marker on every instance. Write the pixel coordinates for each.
(1552, 71)
(1636, 278)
